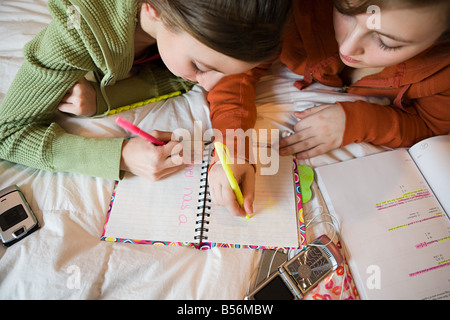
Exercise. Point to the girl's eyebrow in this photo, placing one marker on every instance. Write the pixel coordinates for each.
(395, 38)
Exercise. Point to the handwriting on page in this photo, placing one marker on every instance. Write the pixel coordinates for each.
(165, 209)
(186, 204)
(189, 171)
(187, 197)
(269, 207)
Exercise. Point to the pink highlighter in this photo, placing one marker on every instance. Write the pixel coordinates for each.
(135, 130)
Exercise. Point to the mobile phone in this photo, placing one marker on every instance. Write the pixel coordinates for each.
(17, 220)
(295, 277)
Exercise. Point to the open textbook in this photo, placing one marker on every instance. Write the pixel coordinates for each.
(393, 211)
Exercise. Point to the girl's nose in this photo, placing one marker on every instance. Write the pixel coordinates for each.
(353, 45)
(208, 82)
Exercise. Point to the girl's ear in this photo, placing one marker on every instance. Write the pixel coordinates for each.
(150, 12)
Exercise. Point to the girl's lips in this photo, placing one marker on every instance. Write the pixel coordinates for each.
(349, 59)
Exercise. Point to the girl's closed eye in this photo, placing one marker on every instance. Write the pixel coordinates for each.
(386, 47)
(197, 70)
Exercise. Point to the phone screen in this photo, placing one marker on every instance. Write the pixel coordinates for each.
(12, 217)
(276, 289)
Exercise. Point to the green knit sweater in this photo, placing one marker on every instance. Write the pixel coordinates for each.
(83, 37)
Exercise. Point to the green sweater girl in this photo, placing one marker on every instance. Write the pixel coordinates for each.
(198, 41)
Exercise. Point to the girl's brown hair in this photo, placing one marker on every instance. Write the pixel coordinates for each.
(247, 30)
(354, 7)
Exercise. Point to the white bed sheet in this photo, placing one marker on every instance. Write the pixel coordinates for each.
(65, 259)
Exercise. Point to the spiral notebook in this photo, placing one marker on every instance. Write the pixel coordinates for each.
(177, 211)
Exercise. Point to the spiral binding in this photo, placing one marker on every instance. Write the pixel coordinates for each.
(204, 200)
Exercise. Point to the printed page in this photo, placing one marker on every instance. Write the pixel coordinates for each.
(164, 210)
(396, 234)
(432, 157)
(275, 221)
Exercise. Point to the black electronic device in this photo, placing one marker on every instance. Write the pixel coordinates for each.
(17, 220)
(295, 277)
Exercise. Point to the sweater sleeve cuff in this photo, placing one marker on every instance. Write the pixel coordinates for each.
(355, 128)
(89, 156)
(367, 122)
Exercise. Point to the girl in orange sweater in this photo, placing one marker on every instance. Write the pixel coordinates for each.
(395, 49)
